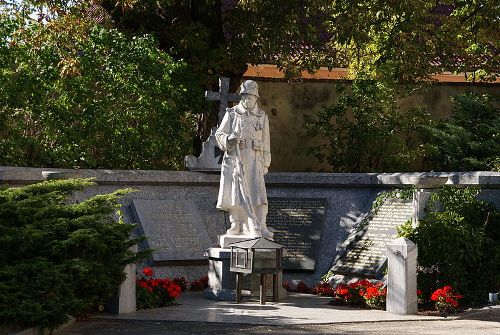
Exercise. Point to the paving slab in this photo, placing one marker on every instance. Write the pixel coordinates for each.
(296, 309)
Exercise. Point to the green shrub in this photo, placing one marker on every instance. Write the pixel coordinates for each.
(74, 94)
(469, 140)
(366, 131)
(461, 236)
(58, 257)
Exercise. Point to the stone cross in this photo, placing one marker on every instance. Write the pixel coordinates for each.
(223, 96)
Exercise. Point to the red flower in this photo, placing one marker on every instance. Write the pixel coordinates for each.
(419, 292)
(147, 271)
(323, 288)
(142, 283)
(286, 285)
(437, 294)
(371, 292)
(353, 285)
(342, 290)
(365, 283)
(445, 298)
(303, 288)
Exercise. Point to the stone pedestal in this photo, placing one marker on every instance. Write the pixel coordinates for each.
(426, 186)
(124, 301)
(221, 281)
(126, 294)
(402, 277)
(420, 199)
(226, 240)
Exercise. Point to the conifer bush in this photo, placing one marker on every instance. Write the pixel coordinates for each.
(58, 256)
(469, 140)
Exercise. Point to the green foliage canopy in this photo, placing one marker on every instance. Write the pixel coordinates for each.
(404, 41)
(75, 94)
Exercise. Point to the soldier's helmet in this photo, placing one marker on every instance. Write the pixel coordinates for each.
(249, 87)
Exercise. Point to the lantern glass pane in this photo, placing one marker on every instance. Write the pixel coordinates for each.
(241, 258)
(265, 259)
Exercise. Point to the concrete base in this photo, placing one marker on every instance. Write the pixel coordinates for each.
(300, 309)
(221, 282)
(124, 301)
(226, 240)
(221, 294)
(402, 277)
(126, 293)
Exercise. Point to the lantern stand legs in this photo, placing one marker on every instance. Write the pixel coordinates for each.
(238, 287)
(275, 288)
(262, 289)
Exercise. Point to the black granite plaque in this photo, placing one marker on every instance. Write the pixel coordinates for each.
(365, 248)
(173, 228)
(297, 224)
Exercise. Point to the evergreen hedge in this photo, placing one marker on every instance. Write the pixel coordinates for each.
(58, 257)
(469, 140)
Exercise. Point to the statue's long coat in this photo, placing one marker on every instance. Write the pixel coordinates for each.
(252, 126)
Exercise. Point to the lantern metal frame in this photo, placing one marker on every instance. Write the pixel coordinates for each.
(249, 250)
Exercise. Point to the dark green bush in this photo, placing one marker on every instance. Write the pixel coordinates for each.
(59, 257)
(77, 95)
(367, 131)
(461, 236)
(469, 140)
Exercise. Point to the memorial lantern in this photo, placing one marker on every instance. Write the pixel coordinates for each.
(257, 256)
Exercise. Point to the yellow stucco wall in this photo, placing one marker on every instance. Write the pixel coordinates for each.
(287, 103)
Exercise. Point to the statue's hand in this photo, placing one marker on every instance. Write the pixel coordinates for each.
(265, 171)
(234, 138)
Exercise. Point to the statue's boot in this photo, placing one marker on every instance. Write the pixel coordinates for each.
(266, 232)
(245, 230)
(235, 228)
(254, 230)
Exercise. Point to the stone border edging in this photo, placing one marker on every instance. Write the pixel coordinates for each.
(28, 175)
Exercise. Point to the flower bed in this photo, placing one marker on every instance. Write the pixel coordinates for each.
(446, 300)
(160, 292)
(155, 292)
(372, 294)
(361, 293)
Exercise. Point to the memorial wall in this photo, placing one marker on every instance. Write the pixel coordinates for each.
(314, 214)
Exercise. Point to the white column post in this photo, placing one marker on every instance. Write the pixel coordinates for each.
(402, 277)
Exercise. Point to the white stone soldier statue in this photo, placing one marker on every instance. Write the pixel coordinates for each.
(243, 135)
